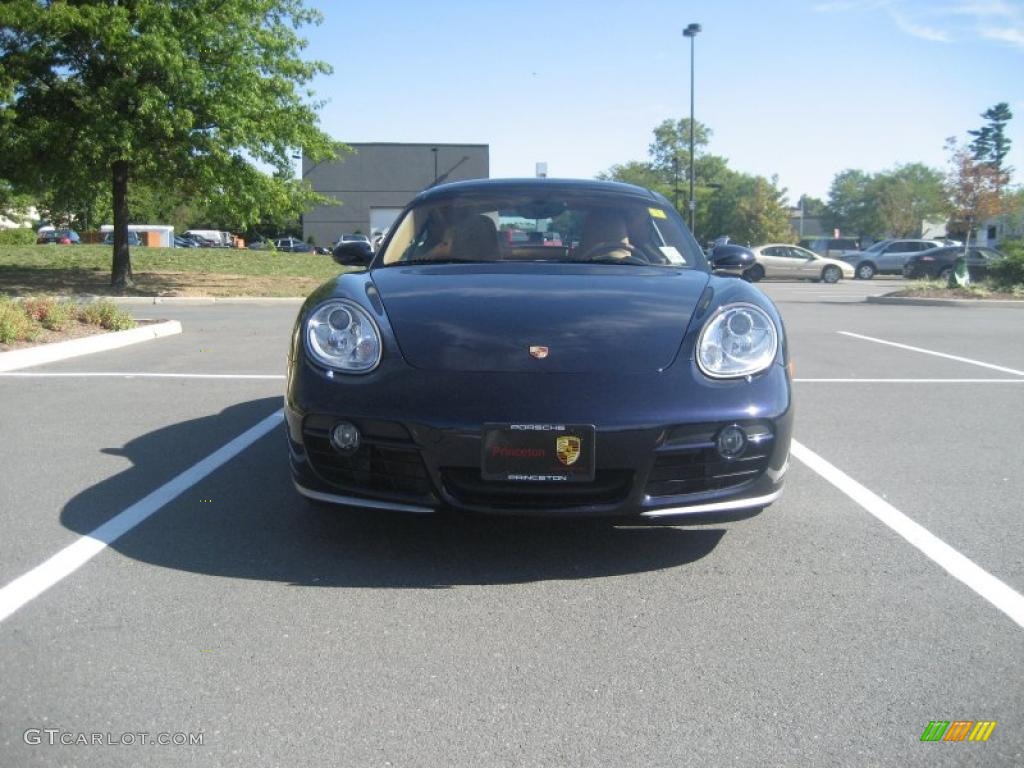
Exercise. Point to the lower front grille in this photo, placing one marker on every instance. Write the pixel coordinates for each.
(610, 486)
(380, 465)
(690, 463)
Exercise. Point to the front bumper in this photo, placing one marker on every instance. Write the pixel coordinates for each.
(651, 460)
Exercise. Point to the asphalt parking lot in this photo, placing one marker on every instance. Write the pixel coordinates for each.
(829, 630)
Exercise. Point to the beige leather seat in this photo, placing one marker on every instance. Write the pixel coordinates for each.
(476, 239)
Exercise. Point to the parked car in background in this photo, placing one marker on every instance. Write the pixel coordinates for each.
(198, 241)
(794, 262)
(939, 262)
(58, 237)
(214, 237)
(353, 238)
(133, 239)
(887, 256)
(293, 245)
(830, 246)
(184, 242)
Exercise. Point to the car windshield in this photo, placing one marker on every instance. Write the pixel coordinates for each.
(876, 247)
(528, 227)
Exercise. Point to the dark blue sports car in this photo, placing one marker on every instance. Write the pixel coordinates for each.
(601, 368)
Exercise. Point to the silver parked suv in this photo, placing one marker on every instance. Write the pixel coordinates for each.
(886, 256)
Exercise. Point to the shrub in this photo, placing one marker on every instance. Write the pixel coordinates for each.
(105, 313)
(15, 324)
(1008, 273)
(37, 307)
(59, 315)
(17, 237)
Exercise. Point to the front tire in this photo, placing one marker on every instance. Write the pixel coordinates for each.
(754, 274)
(831, 274)
(865, 271)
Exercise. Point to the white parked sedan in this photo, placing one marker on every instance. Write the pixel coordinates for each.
(794, 262)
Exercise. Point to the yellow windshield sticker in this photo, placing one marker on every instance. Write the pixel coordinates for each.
(657, 213)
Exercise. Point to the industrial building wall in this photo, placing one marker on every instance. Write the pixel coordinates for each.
(382, 176)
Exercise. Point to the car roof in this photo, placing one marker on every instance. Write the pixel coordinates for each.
(528, 185)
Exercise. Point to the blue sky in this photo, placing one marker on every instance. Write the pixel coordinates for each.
(794, 88)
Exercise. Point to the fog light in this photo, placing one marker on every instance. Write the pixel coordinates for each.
(345, 437)
(731, 441)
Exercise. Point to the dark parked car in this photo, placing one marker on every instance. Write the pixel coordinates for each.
(620, 376)
(198, 241)
(58, 237)
(293, 245)
(939, 262)
(180, 241)
(133, 239)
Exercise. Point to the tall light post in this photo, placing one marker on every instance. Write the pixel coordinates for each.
(691, 32)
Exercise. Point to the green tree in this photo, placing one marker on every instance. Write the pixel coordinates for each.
(904, 197)
(991, 144)
(189, 93)
(747, 208)
(975, 189)
(851, 204)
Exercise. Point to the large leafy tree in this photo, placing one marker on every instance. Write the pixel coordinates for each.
(906, 196)
(189, 93)
(851, 204)
(975, 188)
(747, 208)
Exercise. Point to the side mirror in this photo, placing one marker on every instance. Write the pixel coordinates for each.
(353, 253)
(731, 259)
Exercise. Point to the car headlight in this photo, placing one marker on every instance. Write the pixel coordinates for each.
(738, 340)
(341, 335)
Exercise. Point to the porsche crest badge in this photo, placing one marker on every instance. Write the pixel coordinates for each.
(567, 448)
(539, 352)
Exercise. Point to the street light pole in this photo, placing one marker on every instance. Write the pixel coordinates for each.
(691, 32)
(434, 150)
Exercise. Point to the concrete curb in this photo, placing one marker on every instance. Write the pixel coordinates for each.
(909, 301)
(194, 301)
(50, 353)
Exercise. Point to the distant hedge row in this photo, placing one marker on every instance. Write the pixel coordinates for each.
(17, 237)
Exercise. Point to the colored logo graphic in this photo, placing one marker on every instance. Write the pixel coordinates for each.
(567, 447)
(958, 730)
(539, 352)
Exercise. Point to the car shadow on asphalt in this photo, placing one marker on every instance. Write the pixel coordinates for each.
(246, 521)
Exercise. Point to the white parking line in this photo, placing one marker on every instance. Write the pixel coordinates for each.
(932, 352)
(127, 375)
(908, 381)
(75, 555)
(997, 592)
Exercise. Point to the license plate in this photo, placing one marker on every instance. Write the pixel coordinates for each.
(538, 452)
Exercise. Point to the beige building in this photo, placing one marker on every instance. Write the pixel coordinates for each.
(375, 181)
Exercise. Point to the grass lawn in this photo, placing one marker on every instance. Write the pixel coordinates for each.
(78, 269)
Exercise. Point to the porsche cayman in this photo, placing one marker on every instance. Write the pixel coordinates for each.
(620, 372)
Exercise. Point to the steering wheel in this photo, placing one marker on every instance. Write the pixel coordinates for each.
(595, 252)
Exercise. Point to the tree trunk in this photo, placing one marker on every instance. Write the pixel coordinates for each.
(121, 274)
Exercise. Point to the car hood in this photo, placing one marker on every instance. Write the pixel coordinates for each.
(591, 318)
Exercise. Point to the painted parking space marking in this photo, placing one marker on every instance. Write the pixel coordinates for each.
(997, 592)
(130, 375)
(933, 352)
(32, 584)
(908, 381)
